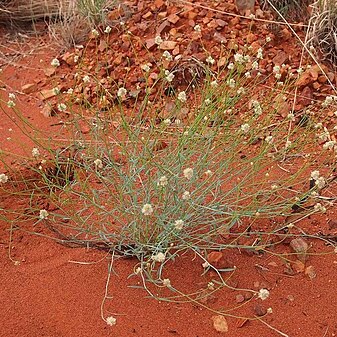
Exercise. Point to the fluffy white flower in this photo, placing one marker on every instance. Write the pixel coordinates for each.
(315, 174)
(329, 145)
(121, 92)
(95, 32)
(107, 30)
(55, 62)
(182, 96)
(260, 54)
(269, 139)
(239, 58)
(43, 214)
(186, 195)
(166, 282)
(319, 208)
(159, 257)
(263, 294)
(61, 107)
(163, 181)
(145, 67)
(188, 173)
(169, 76)
(210, 60)
(230, 66)
(197, 28)
(268, 39)
(320, 182)
(179, 224)
(98, 163)
(35, 152)
(111, 320)
(11, 104)
(208, 173)
(245, 127)
(147, 209)
(158, 40)
(167, 55)
(231, 83)
(3, 178)
(11, 96)
(86, 79)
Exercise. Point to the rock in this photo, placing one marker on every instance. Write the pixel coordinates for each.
(29, 88)
(168, 45)
(259, 310)
(219, 323)
(102, 46)
(50, 71)
(46, 94)
(69, 58)
(298, 267)
(300, 247)
(239, 298)
(47, 110)
(280, 58)
(173, 18)
(218, 260)
(310, 272)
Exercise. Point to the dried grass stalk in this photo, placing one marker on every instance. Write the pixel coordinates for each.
(29, 10)
(322, 33)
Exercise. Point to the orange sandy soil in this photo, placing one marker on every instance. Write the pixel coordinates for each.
(58, 291)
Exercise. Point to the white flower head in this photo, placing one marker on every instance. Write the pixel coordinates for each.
(55, 62)
(260, 54)
(111, 320)
(166, 282)
(107, 30)
(121, 92)
(95, 32)
(145, 67)
(158, 40)
(147, 209)
(245, 127)
(167, 55)
(70, 91)
(186, 195)
(163, 181)
(269, 139)
(238, 58)
(268, 39)
(35, 152)
(287, 144)
(43, 214)
(210, 60)
(248, 74)
(159, 257)
(56, 91)
(179, 224)
(255, 65)
(231, 83)
(188, 173)
(11, 104)
(208, 173)
(169, 76)
(11, 96)
(86, 79)
(257, 107)
(61, 107)
(182, 96)
(197, 28)
(263, 294)
(320, 182)
(98, 163)
(329, 145)
(214, 84)
(315, 174)
(230, 66)
(3, 178)
(319, 208)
